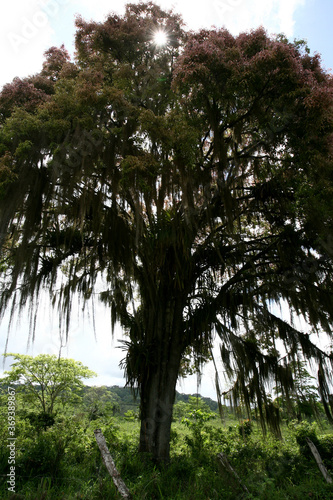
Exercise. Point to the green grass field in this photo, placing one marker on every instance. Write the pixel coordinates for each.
(64, 462)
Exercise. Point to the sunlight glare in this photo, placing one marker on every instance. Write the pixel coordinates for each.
(160, 37)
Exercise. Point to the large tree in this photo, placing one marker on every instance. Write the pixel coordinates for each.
(195, 179)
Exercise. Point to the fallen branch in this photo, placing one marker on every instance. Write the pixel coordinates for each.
(319, 461)
(110, 465)
(225, 462)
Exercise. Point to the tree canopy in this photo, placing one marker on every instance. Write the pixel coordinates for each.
(195, 179)
(45, 380)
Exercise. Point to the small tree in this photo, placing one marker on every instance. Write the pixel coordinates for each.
(303, 400)
(196, 419)
(46, 380)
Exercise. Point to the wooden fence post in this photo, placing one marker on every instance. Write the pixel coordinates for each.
(319, 461)
(225, 462)
(110, 465)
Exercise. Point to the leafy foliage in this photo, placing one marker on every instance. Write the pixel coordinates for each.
(63, 461)
(46, 381)
(196, 422)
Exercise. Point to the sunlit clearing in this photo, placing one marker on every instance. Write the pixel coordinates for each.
(160, 37)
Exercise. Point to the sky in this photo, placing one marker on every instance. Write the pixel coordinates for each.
(27, 29)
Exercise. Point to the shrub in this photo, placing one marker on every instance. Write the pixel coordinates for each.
(245, 428)
(302, 431)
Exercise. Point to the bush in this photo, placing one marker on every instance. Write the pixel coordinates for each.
(131, 415)
(302, 431)
(41, 420)
(245, 428)
(326, 448)
(43, 456)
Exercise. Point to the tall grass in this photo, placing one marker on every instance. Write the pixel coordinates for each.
(64, 463)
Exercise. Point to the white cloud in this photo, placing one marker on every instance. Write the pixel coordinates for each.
(242, 15)
(286, 12)
(26, 32)
(236, 15)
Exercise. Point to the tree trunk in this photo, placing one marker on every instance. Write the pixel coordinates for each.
(157, 392)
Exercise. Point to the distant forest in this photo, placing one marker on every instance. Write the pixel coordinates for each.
(124, 399)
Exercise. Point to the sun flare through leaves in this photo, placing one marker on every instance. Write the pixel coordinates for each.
(160, 37)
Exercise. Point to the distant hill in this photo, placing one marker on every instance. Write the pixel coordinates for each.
(127, 400)
(185, 397)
